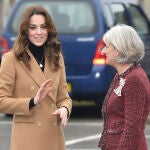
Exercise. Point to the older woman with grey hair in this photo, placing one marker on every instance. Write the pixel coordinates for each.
(127, 103)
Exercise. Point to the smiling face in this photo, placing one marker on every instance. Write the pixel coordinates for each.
(110, 54)
(37, 31)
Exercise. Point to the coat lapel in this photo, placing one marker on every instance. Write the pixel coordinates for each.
(36, 73)
(48, 74)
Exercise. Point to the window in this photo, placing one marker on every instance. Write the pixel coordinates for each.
(108, 15)
(139, 20)
(69, 17)
(120, 15)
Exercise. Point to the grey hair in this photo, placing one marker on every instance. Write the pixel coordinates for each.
(127, 42)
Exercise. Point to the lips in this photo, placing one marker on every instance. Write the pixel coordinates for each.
(38, 39)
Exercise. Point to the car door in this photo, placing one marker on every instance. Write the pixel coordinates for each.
(133, 15)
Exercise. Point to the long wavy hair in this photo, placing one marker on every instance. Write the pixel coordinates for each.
(52, 45)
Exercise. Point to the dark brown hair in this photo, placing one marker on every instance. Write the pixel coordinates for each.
(52, 46)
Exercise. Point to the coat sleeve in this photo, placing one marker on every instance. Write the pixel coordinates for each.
(63, 98)
(135, 93)
(8, 103)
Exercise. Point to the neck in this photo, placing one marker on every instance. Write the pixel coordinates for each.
(121, 68)
(33, 48)
(37, 51)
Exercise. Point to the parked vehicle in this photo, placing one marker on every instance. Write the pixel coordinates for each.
(81, 25)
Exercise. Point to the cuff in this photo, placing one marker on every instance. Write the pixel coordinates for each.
(31, 103)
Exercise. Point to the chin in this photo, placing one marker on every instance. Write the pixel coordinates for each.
(108, 63)
(38, 44)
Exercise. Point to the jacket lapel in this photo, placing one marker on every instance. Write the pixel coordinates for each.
(36, 73)
(48, 74)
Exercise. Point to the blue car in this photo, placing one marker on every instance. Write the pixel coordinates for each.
(81, 25)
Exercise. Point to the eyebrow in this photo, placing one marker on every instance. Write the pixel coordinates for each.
(36, 25)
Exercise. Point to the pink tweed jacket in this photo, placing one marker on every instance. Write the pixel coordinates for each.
(125, 111)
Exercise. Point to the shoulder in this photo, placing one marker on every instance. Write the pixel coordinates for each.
(8, 59)
(9, 55)
(137, 74)
(137, 79)
(8, 63)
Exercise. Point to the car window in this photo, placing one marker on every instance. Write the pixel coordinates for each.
(139, 20)
(119, 12)
(108, 15)
(69, 17)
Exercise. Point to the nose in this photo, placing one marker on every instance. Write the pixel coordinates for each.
(39, 30)
(103, 51)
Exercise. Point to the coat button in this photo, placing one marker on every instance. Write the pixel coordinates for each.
(32, 88)
(39, 124)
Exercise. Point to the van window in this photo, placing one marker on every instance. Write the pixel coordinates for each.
(119, 12)
(69, 17)
(108, 15)
(139, 20)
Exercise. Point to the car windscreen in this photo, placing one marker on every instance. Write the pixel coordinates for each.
(74, 17)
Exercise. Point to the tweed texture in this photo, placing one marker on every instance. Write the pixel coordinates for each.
(125, 116)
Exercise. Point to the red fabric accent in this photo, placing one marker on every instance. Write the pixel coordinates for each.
(125, 116)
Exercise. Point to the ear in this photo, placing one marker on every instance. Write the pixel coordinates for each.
(115, 53)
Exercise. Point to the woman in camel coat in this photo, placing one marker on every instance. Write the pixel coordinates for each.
(33, 85)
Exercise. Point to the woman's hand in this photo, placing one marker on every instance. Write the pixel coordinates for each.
(42, 92)
(62, 112)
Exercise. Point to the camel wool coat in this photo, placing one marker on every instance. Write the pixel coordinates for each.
(34, 129)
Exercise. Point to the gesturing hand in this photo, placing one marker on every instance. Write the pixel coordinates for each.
(42, 92)
(62, 112)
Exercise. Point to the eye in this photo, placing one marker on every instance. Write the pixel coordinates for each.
(32, 27)
(43, 26)
(102, 48)
(102, 45)
(107, 46)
